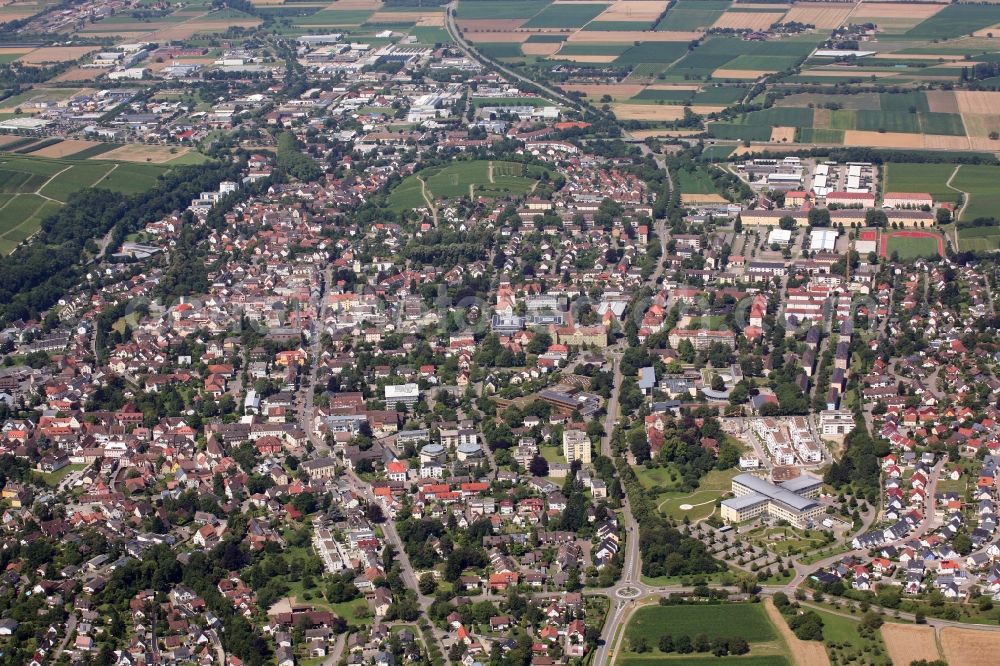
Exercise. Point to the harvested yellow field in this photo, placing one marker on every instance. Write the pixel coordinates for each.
(674, 86)
(654, 112)
(52, 54)
(191, 27)
(598, 59)
(629, 37)
(865, 138)
(539, 48)
(355, 4)
(137, 152)
(807, 653)
(741, 73)
(633, 10)
(7, 139)
(78, 74)
(969, 647)
(651, 112)
(624, 90)
(907, 10)
(747, 20)
(977, 101)
(989, 32)
(65, 148)
(883, 139)
(437, 18)
(431, 20)
(822, 118)
(695, 199)
(782, 134)
(942, 101)
(980, 124)
(821, 15)
(910, 642)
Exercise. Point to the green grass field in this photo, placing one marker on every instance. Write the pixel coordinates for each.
(688, 660)
(334, 17)
(35, 187)
(577, 48)
(499, 9)
(702, 501)
(463, 179)
(694, 181)
(910, 177)
(725, 621)
(693, 14)
(652, 52)
(979, 239)
(720, 95)
(979, 181)
(568, 15)
(955, 21)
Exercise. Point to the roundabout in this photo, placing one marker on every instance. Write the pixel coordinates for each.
(628, 593)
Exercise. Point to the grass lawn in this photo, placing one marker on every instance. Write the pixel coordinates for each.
(553, 454)
(485, 178)
(843, 632)
(746, 620)
(53, 478)
(713, 486)
(354, 612)
(664, 477)
(714, 620)
(695, 181)
(783, 540)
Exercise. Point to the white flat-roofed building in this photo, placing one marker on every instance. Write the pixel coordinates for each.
(823, 240)
(407, 394)
(836, 422)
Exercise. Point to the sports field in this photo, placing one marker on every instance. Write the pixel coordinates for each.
(31, 188)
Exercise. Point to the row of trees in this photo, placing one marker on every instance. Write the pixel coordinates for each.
(684, 644)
